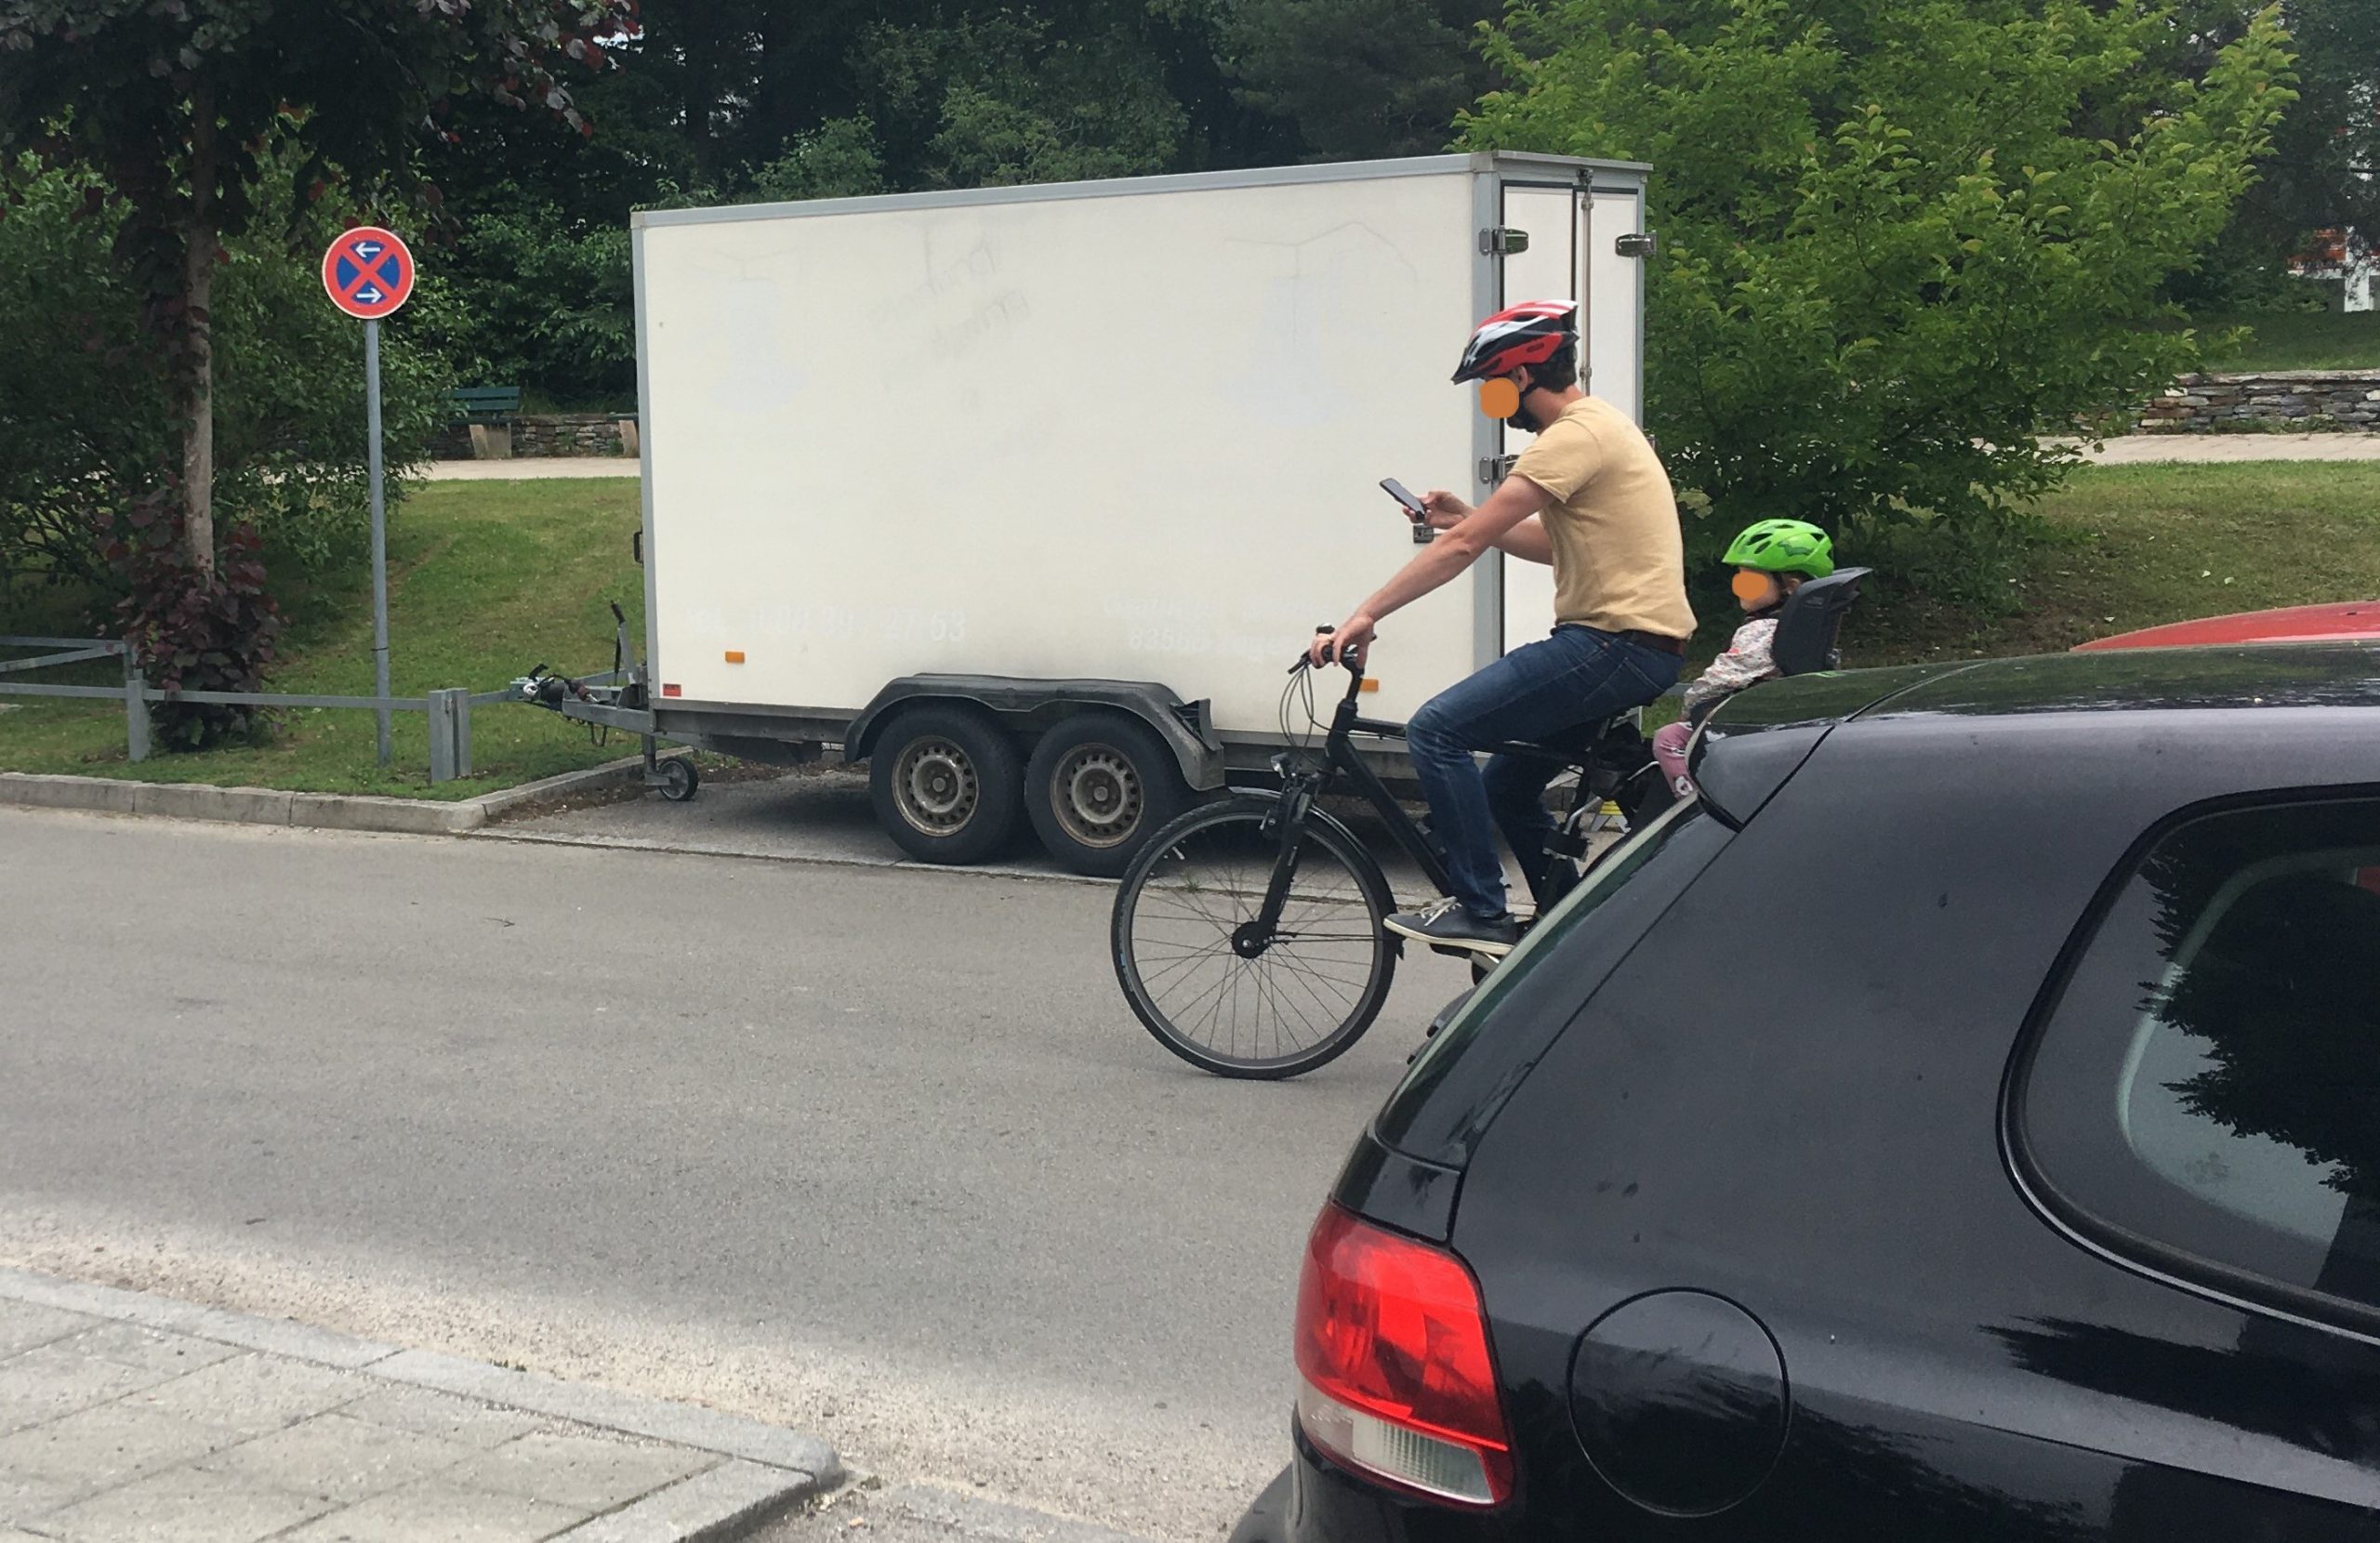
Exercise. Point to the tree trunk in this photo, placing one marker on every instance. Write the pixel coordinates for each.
(198, 341)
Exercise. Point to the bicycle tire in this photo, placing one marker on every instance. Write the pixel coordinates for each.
(1222, 852)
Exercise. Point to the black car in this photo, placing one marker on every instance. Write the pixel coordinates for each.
(1961, 1122)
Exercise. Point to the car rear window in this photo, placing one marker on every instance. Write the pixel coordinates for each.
(1448, 1095)
(2203, 1094)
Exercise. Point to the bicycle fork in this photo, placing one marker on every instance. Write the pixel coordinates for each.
(1285, 824)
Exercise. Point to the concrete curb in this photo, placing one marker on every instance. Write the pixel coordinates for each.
(264, 806)
(504, 800)
(820, 860)
(769, 1468)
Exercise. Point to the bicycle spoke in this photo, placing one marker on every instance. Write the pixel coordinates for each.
(1312, 987)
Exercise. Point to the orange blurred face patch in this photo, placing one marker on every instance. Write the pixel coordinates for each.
(1752, 587)
(1499, 399)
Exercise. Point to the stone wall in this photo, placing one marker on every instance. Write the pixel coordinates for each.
(546, 434)
(2300, 398)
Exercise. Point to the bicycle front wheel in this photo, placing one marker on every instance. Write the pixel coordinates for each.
(1224, 999)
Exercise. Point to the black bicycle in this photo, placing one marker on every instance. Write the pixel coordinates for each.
(1247, 934)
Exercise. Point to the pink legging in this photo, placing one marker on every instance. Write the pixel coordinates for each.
(1668, 749)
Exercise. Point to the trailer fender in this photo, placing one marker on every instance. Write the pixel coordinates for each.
(1031, 707)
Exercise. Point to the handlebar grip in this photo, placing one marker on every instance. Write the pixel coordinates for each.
(1305, 660)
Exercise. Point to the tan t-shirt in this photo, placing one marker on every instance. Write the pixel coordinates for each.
(1618, 555)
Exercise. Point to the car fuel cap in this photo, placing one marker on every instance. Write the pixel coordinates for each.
(1680, 1400)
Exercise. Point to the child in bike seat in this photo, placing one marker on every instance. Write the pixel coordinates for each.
(1771, 560)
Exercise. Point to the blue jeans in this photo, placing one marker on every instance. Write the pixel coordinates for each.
(1553, 692)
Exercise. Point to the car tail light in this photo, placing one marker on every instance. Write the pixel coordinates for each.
(1393, 1353)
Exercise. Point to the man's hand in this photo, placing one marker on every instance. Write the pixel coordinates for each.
(1444, 510)
(1343, 645)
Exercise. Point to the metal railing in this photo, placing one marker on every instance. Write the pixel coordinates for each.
(449, 710)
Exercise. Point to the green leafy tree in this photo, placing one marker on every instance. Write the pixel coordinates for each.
(2323, 171)
(171, 104)
(83, 421)
(171, 107)
(1360, 79)
(1012, 97)
(841, 159)
(528, 296)
(1901, 240)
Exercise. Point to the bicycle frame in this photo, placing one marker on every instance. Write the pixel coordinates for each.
(1299, 789)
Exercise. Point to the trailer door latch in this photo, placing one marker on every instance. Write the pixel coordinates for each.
(1502, 240)
(1496, 468)
(1636, 244)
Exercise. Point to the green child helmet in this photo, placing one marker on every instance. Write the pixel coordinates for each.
(1783, 546)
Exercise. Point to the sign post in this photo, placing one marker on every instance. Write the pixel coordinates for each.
(368, 273)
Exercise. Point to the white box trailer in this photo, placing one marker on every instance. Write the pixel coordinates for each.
(1030, 494)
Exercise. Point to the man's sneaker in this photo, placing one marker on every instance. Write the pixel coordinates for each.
(1446, 925)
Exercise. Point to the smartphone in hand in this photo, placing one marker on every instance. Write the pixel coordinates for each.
(1404, 495)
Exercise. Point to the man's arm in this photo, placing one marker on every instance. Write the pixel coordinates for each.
(1457, 549)
(1526, 540)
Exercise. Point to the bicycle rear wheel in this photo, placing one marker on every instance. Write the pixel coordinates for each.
(1240, 1007)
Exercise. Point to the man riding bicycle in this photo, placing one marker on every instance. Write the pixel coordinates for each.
(1590, 497)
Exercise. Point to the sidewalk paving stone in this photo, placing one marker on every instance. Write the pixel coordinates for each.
(125, 1418)
(25, 1326)
(255, 1392)
(336, 1457)
(183, 1505)
(446, 1416)
(590, 1473)
(56, 1380)
(443, 1509)
(146, 1350)
(111, 1443)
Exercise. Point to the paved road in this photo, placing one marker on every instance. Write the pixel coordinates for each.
(822, 814)
(875, 1153)
(2210, 449)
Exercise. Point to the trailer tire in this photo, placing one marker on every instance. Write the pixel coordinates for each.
(1100, 783)
(947, 784)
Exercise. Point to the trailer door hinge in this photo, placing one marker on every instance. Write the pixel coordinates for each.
(1638, 244)
(1497, 468)
(1502, 240)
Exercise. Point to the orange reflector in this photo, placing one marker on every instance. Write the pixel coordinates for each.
(734, 655)
(668, 690)
(1369, 684)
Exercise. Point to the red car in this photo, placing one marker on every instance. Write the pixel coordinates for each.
(2350, 621)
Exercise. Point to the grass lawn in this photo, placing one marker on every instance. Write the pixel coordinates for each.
(489, 579)
(2298, 340)
(485, 579)
(2132, 546)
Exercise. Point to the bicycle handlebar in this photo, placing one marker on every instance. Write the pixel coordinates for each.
(1355, 671)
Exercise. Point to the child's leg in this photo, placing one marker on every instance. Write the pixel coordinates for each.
(1669, 750)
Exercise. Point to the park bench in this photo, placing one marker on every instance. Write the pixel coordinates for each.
(489, 412)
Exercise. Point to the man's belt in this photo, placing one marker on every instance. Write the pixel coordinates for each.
(1656, 641)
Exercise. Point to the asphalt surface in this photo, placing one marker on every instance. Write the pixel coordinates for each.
(821, 814)
(875, 1153)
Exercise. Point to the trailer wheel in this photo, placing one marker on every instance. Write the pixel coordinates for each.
(1099, 784)
(947, 786)
(680, 777)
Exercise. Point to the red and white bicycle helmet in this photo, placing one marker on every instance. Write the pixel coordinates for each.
(1528, 334)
